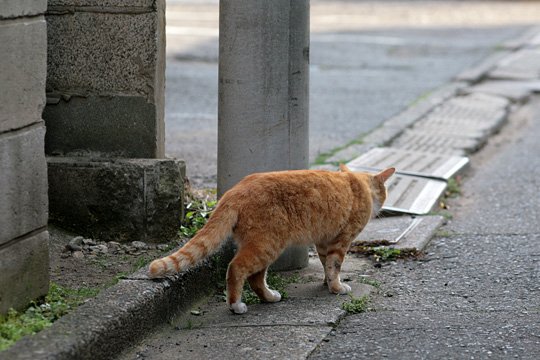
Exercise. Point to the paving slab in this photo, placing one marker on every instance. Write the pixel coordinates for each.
(529, 37)
(276, 342)
(436, 143)
(522, 65)
(400, 232)
(477, 72)
(412, 194)
(534, 41)
(467, 115)
(289, 329)
(409, 162)
(514, 90)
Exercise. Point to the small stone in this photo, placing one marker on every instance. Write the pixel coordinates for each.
(139, 245)
(130, 250)
(114, 246)
(73, 247)
(99, 249)
(89, 242)
(65, 255)
(78, 254)
(77, 240)
(162, 247)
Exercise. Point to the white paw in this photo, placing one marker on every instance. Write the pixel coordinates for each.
(345, 289)
(276, 296)
(238, 307)
(342, 289)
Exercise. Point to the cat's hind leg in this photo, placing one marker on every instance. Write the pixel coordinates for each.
(249, 260)
(258, 283)
(321, 251)
(334, 259)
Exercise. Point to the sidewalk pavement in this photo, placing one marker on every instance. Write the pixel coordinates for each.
(475, 292)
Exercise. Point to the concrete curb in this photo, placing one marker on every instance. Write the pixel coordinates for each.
(393, 127)
(117, 317)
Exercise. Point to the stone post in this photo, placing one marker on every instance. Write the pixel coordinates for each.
(24, 255)
(105, 121)
(263, 93)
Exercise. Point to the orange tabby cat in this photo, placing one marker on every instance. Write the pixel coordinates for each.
(266, 212)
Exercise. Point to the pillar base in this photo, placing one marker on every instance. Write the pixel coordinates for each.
(117, 199)
(293, 258)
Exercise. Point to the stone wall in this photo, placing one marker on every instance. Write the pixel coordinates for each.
(24, 256)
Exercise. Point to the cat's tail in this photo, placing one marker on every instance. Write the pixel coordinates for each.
(208, 239)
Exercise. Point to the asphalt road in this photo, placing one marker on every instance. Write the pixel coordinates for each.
(369, 61)
(477, 292)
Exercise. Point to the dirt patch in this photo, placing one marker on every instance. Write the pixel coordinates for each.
(77, 262)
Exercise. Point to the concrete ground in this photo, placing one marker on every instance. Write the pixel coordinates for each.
(477, 292)
(369, 61)
(474, 294)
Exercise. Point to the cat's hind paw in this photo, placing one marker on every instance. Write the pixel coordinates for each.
(275, 297)
(238, 308)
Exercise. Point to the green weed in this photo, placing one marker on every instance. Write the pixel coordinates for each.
(356, 305)
(141, 262)
(368, 281)
(38, 316)
(198, 213)
(383, 253)
(453, 188)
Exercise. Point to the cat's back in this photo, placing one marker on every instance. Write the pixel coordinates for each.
(291, 187)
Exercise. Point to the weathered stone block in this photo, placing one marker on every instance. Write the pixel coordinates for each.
(24, 267)
(18, 8)
(120, 126)
(23, 69)
(106, 75)
(23, 182)
(91, 52)
(121, 200)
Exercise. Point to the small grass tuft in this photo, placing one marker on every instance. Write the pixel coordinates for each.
(368, 281)
(197, 214)
(384, 253)
(356, 305)
(453, 188)
(40, 315)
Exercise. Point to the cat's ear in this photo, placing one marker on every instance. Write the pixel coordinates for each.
(344, 168)
(385, 174)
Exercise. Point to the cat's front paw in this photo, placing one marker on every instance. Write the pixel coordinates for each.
(340, 289)
(238, 308)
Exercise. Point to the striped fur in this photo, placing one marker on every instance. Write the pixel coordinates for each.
(265, 213)
(205, 242)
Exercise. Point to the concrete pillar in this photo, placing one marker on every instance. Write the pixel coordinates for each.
(263, 93)
(24, 255)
